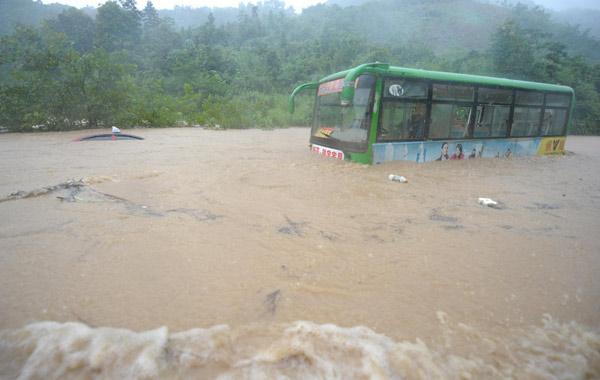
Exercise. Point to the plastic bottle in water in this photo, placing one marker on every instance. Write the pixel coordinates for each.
(399, 178)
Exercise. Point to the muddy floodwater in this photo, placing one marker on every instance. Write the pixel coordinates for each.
(241, 254)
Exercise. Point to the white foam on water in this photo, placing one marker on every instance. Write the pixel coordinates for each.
(50, 350)
(300, 350)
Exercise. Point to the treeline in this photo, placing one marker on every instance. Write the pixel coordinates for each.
(26, 12)
(130, 67)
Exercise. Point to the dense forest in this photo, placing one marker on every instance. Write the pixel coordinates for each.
(235, 67)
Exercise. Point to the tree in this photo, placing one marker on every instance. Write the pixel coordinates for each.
(118, 28)
(78, 26)
(32, 90)
(150, 17)
(512, 51)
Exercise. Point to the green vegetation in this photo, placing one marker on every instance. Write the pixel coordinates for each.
(129, 67)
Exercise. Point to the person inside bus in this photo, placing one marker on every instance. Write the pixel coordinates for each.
(417, 122)
(459, 154)
(444, 154)
(473, 153)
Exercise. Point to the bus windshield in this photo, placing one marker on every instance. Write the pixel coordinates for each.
(344, 127)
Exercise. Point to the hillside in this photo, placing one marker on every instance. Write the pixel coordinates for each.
(26, 12)
(438, 25)
(128, 66)
(586, 19)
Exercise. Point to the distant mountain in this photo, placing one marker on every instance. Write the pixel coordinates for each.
(439, 25)
(26, 12)
(188, 17)
(587, 19)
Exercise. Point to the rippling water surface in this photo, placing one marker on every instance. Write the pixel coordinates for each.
(240, 254)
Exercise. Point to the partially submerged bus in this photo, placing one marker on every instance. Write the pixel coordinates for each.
(376, 113)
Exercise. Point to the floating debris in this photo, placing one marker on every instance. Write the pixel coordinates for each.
(70, 184)
(271, 301)
(453, 227)
(545, 206)
(441, 218)
(80, 319)
(487, 202)
(292, 228)
(74, 191)
(397, 178)
(326, 235)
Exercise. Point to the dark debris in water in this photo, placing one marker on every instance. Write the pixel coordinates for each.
(397, 229)
(199, 215)
(271, 301)
(441, 218)
(292, 228)
(70, 184)
(80, 319)
(75, 191)
(81, 194)
(544, 206)
(453, 227)
(326, 235)
(374, 238)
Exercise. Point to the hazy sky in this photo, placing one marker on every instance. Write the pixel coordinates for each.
(168, 4)
(560, 5)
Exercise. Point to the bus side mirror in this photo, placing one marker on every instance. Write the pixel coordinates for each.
(305, 86)
(347, 94)
(350, 79)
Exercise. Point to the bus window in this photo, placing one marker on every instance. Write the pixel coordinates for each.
(500, 121)
(483, 123)
(402, 121)
(348, 127)
(405, 89)
(449, 121)
(494, 96)
(525, 121)
(328, 115)
(450, 92)
(493, 112)
(492, 121)
(558, 100)
(554, 122)
(529, 98)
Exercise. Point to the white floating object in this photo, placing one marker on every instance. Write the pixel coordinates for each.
(116, 130)
(487, 202)
(399, 178)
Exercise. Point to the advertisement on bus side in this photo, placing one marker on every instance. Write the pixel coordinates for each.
(421, 151)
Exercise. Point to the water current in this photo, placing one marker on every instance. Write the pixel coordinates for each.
(241, 254)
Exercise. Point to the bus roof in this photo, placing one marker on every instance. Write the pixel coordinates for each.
(459, 78)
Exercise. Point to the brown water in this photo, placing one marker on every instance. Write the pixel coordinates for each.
(241, 254)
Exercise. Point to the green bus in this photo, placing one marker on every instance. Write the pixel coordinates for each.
(376, 113)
